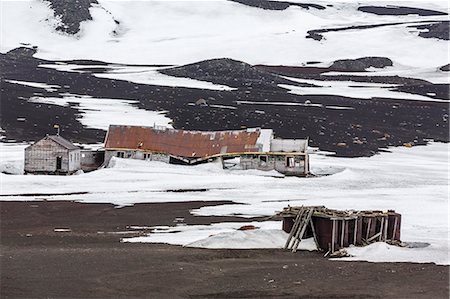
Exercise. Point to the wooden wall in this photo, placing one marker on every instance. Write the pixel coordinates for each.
(42, 157)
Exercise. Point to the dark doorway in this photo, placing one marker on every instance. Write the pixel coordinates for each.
(290, 162)
(58, 163)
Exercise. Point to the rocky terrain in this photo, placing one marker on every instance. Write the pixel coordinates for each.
(362, 128)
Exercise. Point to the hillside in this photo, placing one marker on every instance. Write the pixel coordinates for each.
(364, 76)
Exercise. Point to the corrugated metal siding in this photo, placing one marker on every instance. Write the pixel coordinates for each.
(189, 144)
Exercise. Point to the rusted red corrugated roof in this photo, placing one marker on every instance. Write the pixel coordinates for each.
(180, 143)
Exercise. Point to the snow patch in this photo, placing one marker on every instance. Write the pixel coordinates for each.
(98, 113)
(12, 158)
(47, 87)
(151, 76)
(382, 252)
(353, 89)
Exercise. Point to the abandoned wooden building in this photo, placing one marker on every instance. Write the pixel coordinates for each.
(52, 155)
(333, 230)
(256, 148)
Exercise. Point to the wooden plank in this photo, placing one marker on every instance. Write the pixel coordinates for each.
(386, 225)
(303, 229)
(294, 228)
(381, 229)
(291, 233)
(333, 232)
(395, 228)
(374, 237)
(369, 225)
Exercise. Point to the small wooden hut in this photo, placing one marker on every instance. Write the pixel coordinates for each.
(52, 155)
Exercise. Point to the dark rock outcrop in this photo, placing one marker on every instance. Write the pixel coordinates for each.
(438, 30)
(229, 72)
(277, 5)
(435, 30)
(445, 68)
(71, 13)
(21, 52)
(400, 11)
(360, 64)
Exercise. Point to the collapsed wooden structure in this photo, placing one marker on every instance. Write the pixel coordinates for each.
(257, 148)
(333, 230)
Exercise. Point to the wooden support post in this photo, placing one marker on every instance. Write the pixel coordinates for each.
(381, 229)
(314, 234)
(333, 233)
(386, 225)
(355, 232)
(342, 233)
(369, 225)
(395, 228)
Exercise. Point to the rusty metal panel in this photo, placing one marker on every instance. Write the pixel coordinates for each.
(288, 223)
(189, 144)
(323, 227)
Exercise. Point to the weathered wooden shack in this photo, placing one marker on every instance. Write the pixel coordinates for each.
(287, 156)
(256, 147)
(52, 155)
(333, 229)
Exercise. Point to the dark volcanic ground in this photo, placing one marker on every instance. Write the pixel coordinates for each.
(360, 130)
(37, 262)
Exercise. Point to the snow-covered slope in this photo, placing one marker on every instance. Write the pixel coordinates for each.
(180, 32)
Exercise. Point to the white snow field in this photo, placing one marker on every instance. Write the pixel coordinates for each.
(180, 32)
(97, 113)
(412, 181)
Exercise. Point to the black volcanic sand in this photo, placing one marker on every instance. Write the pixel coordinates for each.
(37, 262)
(360, 131)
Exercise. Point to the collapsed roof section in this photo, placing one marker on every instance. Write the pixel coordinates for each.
(198, 144)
